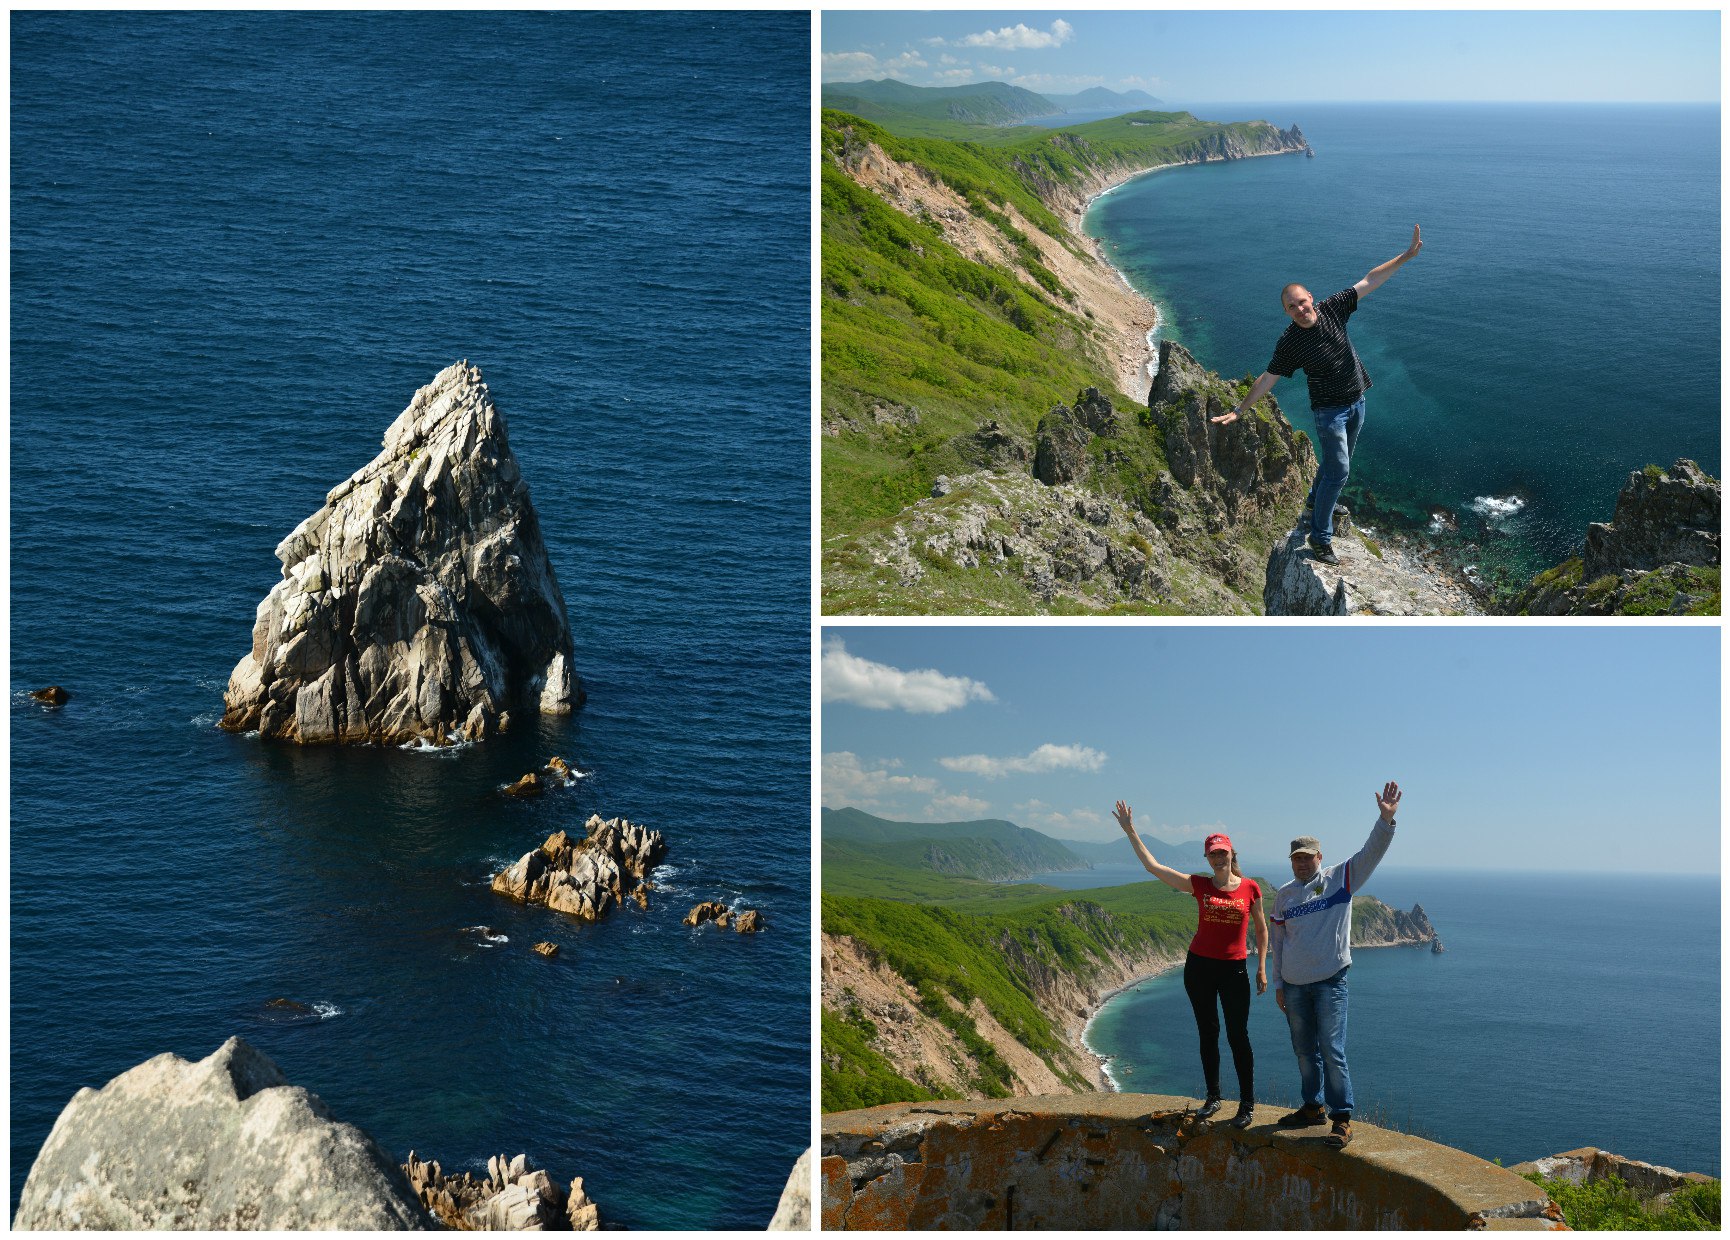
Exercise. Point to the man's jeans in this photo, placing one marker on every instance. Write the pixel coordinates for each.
(1336, 436)
(1316, 1012)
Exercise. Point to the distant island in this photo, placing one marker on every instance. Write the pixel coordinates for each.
(941, 980)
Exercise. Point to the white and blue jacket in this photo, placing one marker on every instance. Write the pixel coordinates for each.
(1311, 936)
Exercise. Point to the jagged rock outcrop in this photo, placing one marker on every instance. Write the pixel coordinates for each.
(1375, 924)
(587, 878)
(1107, 520)
(1658, 556)
(419, 602)
(222, 1144)
(53, 695)
(1374, 577)
(514, 1196)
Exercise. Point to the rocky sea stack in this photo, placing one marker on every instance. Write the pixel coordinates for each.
(418, 603)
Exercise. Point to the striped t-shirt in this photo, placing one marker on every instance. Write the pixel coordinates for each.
(1325, 354)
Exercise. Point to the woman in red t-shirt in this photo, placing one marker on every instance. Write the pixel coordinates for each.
(1216, 974)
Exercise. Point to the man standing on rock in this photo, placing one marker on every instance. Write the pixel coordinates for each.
(1316, 343)
(1311, 939)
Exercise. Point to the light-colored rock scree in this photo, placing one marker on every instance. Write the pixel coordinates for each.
(418, 603)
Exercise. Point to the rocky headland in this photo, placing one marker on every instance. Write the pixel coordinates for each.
(418, 604)
(1659, 554)
(586, 878)
(1387, 574)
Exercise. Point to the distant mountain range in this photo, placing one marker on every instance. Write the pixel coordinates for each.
(938, 109)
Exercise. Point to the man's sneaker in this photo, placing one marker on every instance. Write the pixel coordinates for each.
(1304, 1117)
(1210, 1108)
(1322, 552)
(1341, 1136)
(1245, 1115)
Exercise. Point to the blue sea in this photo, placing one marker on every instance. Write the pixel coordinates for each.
(1559, 329)
(1567, 1010)
(240, 242)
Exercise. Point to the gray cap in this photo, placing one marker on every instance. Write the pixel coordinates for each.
(1306, 844)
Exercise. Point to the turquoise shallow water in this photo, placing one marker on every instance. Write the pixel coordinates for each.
(1566, 1011)
(1559, 329)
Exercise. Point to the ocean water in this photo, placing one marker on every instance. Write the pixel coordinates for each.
(1568, 1010)
(1559, 329)
(240, 242)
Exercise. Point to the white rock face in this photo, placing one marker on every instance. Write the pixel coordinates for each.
(222, 1144)
(793, 1212)
(419, 602)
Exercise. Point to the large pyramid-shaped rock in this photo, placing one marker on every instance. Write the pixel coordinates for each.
(418, 602)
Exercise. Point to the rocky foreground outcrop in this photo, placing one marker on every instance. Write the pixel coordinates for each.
(222, 1144)
(1658, 556)
(1374, 577)
(586, 878)
(419, 602)
(1151, 510)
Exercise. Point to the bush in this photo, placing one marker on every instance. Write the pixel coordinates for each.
(1610, 1205)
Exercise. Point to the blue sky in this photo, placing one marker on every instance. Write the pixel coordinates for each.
(1295, 56)
(1527, 748)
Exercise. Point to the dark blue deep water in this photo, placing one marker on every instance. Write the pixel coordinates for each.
(1559, 329)
(1568, 1010)
(240, 242)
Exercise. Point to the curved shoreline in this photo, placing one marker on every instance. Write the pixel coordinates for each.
(1147, 365)
(1102, 1063)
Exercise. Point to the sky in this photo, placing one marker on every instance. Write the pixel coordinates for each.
(1292, 56)
(1519, 748)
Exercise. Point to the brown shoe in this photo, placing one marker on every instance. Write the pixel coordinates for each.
(1304, 1117)
(1341, 1136)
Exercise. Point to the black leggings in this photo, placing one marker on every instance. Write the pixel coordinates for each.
(1205, 980)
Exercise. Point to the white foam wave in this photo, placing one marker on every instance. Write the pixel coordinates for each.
(1497, 509)
(206, 720)
(326, 1011)
(488, 938)
(454, 743)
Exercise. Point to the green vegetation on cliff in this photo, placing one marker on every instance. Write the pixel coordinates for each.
(1611, 1205)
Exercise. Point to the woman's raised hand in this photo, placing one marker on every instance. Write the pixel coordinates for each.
(1125, 818)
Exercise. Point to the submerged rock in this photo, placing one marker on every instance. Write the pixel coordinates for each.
(419, 602)
(549, 950)
(223, 1144)
(53, 695)
(708, 910)
(588, 878)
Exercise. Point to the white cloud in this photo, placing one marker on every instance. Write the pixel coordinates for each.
(1077, 823)
(854, 66)
(1062, 84)
(1021, 36)
(848, 781)
(1045, 758)
(877, 686)
(956, 808)
(947, 59)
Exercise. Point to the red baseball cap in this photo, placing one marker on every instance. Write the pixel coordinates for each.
(1217, 841)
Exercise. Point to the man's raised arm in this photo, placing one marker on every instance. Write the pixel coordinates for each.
(1379, 275)
(1260, 388)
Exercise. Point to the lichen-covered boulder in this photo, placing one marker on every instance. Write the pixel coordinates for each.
(419, 602)
(222, 1144)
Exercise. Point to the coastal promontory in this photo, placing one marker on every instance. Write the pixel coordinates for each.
(418, 603)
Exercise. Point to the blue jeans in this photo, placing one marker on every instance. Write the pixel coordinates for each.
(1316, 1012)
(1336, 436)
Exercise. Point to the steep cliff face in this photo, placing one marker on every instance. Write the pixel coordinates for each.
(1658, 556)
(1107, 507)
(419, 602)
